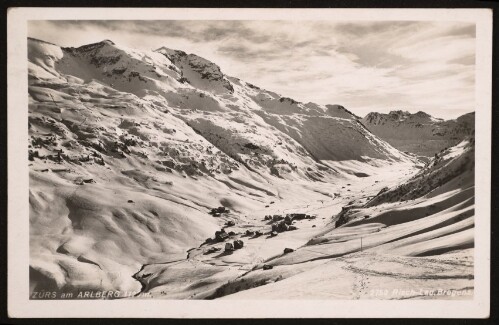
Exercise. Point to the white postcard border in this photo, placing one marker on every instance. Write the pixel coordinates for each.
(19, 304)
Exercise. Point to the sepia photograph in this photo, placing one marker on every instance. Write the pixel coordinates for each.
(261, 158)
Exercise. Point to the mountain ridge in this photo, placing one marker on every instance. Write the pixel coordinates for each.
(419, 133)
(137, 159)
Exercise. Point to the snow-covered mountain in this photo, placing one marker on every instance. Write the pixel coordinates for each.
(419, 133)
(253, 127)
(130, 150)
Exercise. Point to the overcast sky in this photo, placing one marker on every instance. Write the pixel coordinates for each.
(364, 66)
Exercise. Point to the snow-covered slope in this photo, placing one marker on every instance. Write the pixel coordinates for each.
(445, 184)
(129, 150)
(419, 133)
(417, 234)
(456, 164)
(42, 57)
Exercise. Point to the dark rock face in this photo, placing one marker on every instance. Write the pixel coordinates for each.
(207, 70)
(267, 267)
(288, 250)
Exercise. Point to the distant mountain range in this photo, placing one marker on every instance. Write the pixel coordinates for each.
(419, 133)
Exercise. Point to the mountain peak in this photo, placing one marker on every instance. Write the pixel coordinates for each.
(399, 113)
(198, 71)
(90, 47)
(340, 111)
(108, 42)
(422, 114)
(171, 54)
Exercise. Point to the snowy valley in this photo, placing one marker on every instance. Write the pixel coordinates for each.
(155, 173)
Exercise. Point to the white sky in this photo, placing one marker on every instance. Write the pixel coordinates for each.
(364, 66)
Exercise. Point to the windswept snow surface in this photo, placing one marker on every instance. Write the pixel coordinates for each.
(130, 150)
